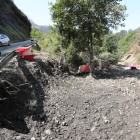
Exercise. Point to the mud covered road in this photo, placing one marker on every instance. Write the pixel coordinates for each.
(45, 104)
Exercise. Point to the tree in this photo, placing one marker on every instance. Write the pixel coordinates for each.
(120, 35)
(109, 44)
(35, 33)
(130, 31)
(83, 20)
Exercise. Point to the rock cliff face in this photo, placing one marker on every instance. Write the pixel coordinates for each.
(13, 22)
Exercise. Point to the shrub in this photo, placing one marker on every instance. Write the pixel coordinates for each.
(51, 43)
(73, 57)
(57, 49)
(106, 59)
(35, 33)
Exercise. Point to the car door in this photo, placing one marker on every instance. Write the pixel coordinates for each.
(6, 39)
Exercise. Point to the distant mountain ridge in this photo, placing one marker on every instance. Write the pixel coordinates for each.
(41, 28)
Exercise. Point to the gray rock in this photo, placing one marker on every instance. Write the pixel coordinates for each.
(33, 138)
(64, 123)
(92, 129)
(18, 137)
(48, 132)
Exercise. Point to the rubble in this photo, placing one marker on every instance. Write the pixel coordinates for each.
(53, 105)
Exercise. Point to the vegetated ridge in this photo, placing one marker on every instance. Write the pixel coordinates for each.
(13, 22)
(129, 48)
(41, 28)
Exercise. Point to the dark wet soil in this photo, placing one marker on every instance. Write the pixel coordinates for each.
(45, 104)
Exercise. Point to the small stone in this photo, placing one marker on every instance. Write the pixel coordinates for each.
(136, 125)
(64, 123)
(48, 132)
(92, 129)
(32, 129)
(33, 138)
(106, 121)
(18, 137)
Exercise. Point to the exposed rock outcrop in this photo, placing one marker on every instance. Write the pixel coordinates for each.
(13, 22)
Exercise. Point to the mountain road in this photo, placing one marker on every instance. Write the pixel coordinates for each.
(7, 49)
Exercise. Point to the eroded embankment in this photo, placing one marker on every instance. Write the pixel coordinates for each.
(48, 104)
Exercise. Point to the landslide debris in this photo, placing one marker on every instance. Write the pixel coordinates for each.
(48, 104)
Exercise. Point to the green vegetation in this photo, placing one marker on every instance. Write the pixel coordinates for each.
(20, 15)
(125, 43)
(66, 83)
(15, 24)
(81, 22)
(35, 33)
(81, 33)
(106, 50)
(109, 44)
(14, 32)
(51, 43)
(120, 35)
(130, 44)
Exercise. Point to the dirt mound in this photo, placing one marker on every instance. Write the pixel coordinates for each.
(47, 104)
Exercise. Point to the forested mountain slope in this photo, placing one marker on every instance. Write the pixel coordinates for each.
(129, 47)
(13, 22)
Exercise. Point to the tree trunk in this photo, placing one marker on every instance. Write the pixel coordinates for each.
(62, 59)
(91, 53)
(90, 47)
(63, 64)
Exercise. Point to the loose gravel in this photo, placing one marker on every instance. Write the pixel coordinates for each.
(50, 105)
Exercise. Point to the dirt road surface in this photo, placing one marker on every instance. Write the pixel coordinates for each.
(45, 104)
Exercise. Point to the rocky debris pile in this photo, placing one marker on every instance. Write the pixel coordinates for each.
(54, 105)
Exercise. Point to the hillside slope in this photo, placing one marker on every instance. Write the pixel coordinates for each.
(13, 22)
(129, 48)
(42, 29)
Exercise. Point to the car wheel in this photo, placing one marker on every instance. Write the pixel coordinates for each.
(9, 43)
(0, 44)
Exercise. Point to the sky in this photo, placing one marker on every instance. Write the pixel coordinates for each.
(38, 11)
